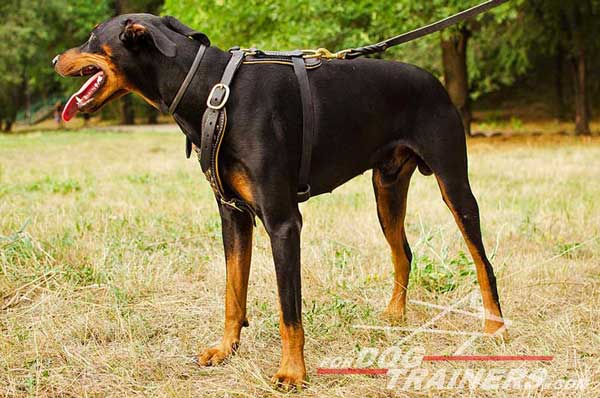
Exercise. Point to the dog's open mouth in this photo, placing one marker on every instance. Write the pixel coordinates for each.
(85, 96)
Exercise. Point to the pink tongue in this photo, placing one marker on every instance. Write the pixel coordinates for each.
(71, 108)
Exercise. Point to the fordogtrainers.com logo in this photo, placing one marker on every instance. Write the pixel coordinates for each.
(413, 370)
(408, 367)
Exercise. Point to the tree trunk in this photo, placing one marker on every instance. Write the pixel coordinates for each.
(118, 6)
(573, 15)
(582, 117)
(8, 125)
(561, 105)
(127, 111)
(456, 77)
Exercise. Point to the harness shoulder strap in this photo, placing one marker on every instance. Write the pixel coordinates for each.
(214, 122)
(216, 106)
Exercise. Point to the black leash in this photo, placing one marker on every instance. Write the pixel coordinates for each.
(380, 47)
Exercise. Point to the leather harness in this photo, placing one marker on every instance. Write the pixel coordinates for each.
(214, 120)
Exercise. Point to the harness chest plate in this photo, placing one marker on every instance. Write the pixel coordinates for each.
(214, 120)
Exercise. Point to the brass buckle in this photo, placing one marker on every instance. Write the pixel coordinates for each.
(223, 101)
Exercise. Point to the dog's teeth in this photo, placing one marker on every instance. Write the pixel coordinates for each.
(78, 100)
(99, 79)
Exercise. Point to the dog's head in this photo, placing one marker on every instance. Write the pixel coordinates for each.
(123, 54)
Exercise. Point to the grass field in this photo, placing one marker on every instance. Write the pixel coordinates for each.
(112, 273)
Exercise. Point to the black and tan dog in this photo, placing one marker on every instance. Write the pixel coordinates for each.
(370, 114)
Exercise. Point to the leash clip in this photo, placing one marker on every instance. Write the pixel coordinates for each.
(325, 53)
(213, 95)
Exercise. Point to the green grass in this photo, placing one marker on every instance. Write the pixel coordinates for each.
(112, 272)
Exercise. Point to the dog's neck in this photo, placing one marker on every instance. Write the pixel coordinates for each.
(193, 104)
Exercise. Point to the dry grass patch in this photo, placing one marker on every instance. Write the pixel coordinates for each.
(112, 273)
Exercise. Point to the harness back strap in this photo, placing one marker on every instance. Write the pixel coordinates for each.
(308, 128)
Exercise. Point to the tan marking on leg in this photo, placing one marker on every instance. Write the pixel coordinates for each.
(393, 226)
(235, 297)
(240, 182)
(238, 269)
(292, 371)
(493, 316)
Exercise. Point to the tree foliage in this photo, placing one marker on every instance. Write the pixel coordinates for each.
(280, 24)
(30, 36)
(503, 44)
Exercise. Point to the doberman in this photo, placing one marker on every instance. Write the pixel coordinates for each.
(374, 114)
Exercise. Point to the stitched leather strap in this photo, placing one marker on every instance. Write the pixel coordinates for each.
(308, 127)
(214, 123)
(275, 54)
(183, 89)
(215, 105)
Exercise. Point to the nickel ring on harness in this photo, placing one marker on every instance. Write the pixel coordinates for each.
(213, 95)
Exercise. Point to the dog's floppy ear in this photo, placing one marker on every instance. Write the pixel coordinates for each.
(174, 24)
(135, 33)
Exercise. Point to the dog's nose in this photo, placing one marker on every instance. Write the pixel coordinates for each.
(55, 60)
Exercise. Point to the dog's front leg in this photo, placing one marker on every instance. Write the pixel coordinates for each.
(285, 244)
(237, 239)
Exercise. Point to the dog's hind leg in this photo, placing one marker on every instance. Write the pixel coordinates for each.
(448, 161)
(390, 195)
(457, 194)
(237, 231)
(459, 198)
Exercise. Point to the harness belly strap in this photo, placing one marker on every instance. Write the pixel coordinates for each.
(308, 128)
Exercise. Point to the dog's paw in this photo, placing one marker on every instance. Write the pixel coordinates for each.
(496, 329)
(394, 315)
(218, 354)
(287, 380)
